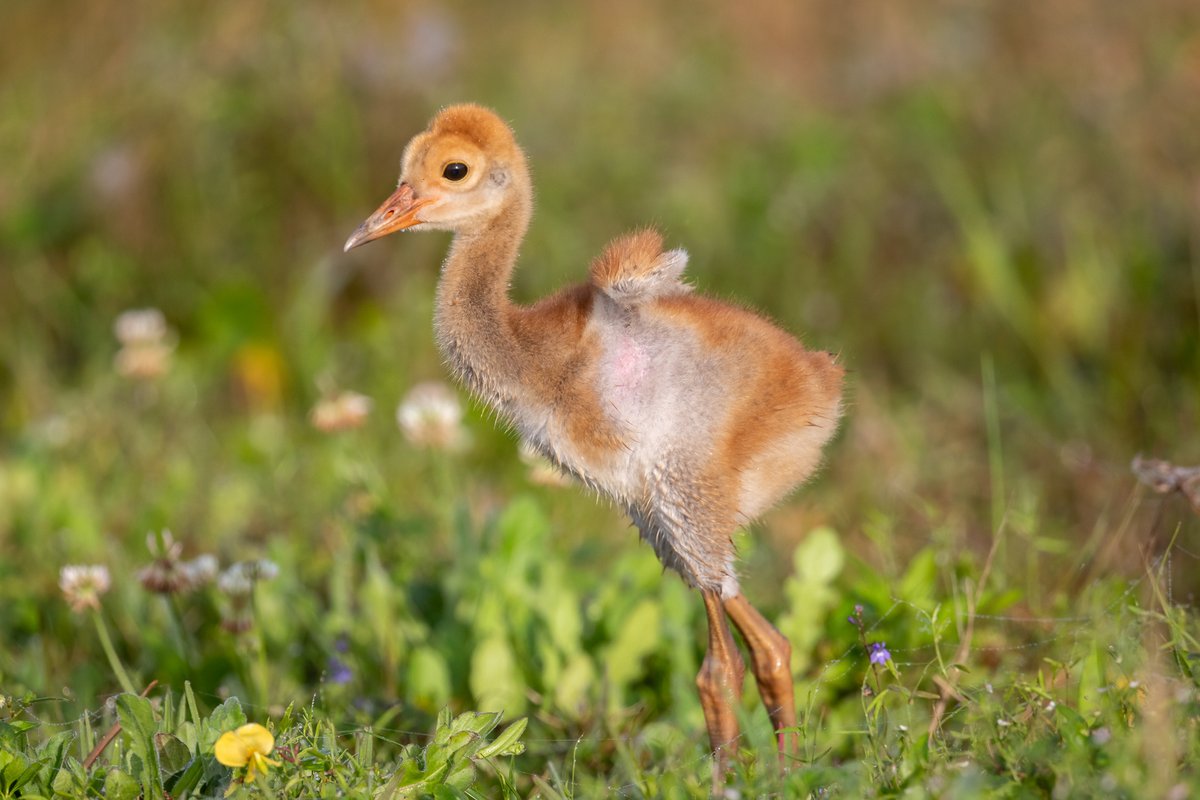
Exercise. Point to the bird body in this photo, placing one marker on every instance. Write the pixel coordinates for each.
(693, 415)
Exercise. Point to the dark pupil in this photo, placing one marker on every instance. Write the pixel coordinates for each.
(455, 171)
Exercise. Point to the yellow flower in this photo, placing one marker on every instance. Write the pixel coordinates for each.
(248, 747)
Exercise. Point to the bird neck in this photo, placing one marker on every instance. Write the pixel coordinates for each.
(474, 315)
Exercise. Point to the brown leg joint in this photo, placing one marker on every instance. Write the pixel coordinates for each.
(770, 659)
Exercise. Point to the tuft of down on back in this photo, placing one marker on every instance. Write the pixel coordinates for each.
(633, 268)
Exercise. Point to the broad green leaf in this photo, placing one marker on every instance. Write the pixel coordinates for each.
(225, 717)
(173, 754)
(52, 754)
(462, 776)
(574, 683)
(137, 723)
(12, 734)
(428, 678)
(522, 528)
(637, 638)
(119, 786)
(71, 779)
(18, 772)
(187, 734)
(496, 680)
(820, 557)
(920, 579)
(818, 560)
(423, 784)
(559, 605)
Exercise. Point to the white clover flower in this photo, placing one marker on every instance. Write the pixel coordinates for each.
(167, 573)
(238, 581)
(264, 569)
(200, 571)
(235, 582)
(140, 326)
(82, 585)
(168, 550)
(431, 416)
(145, 344)
(341, 412)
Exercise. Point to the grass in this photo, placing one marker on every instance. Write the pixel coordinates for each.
(990, 213)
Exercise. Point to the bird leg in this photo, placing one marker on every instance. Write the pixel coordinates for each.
(720, 685)
(770, 659)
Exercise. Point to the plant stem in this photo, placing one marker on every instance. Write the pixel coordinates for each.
(181, 633)
(260, 670)
(447, 500)
(113, 660)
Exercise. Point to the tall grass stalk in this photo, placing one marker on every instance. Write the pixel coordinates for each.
(114, 661)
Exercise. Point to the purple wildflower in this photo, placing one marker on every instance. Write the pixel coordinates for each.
(339, 672)
(856, 619)
(879, 653)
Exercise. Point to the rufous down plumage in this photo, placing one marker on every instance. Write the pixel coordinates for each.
(694, 415)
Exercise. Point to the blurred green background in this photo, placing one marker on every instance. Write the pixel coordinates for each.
(990, 210)
(925, 189)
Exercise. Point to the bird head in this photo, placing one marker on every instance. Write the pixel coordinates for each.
(458, 175)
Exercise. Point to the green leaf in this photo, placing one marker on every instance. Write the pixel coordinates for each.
(137, 722)
(190, 699)
(477, 722)
(225, 717)
(574, 683)
(119, 786)
(422, 784)
(920, 578)
(173, 754)
(189, 778)
(636, 639)
(820, 557)
(428, 678)
(12, 734)
(462, 776)
(71, 780)
(507, 743)
(51, 755)
(496, 680)
(20, 772)
(1071, 720)
(522, 528)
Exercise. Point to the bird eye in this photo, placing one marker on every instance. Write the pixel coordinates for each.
(454, 171)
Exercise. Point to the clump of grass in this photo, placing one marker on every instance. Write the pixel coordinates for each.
(167, 747)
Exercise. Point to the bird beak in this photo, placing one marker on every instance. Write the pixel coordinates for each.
(397, 213)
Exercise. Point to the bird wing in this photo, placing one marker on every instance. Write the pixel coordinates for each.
(633, 268)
